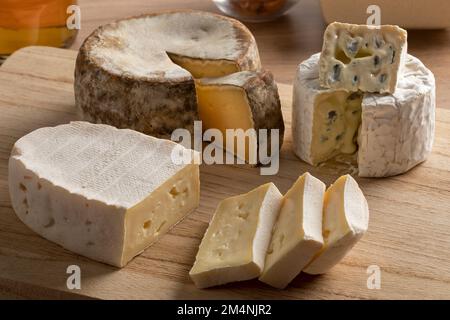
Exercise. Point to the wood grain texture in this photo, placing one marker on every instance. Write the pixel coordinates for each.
(408, 237)
(282, 43)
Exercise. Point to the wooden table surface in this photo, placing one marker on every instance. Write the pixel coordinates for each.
(418, 272)
(282, 43)
(408, 236)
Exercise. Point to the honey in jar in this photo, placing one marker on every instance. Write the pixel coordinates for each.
(34, 22)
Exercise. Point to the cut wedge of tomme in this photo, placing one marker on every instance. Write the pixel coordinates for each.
(99, 191)
(139, 73)
(362, 57)
(235, 244)
(345, 220)
(297, 234)
(246, 100)
(390, 133)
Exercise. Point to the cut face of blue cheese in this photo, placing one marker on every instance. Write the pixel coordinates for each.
(235, 244)
(337, 118)
(98, 191)
(361, 57)
(345, 220)
(297, 234)
(390, 133)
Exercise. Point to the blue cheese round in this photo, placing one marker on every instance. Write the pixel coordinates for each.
(390, 133)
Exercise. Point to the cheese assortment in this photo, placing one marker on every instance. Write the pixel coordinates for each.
(140, 73)
(345, 220)
(297, 234)
(313, 231)
(109, 192)
(362, 57)
(98, 191)
(389, 133)
(235, 244)
(243, 100)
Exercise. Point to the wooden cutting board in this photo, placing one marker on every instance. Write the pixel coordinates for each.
(408, 237)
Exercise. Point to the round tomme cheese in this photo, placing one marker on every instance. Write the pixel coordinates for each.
(391, 133)
(139, 72)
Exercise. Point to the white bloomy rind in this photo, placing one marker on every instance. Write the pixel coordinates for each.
(396, 132)
(345, 220)
(362, 57)
(99, 191)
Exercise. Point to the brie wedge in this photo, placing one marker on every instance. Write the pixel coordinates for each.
(235, 244)
(297, 235)
(345, 220)
(362, 57)
(103, 193)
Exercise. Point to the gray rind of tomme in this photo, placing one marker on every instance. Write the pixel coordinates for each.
(262, 92)
(126, 102)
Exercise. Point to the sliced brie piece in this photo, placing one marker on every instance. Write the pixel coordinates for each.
(244, 100)
(362, 57)
(235, 244)
(297, 234)
(139, 73)
(391, 133)
(104, 193)
(345, 220)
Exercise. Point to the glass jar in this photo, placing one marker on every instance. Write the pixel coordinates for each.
(255, 10)
(34, 22)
